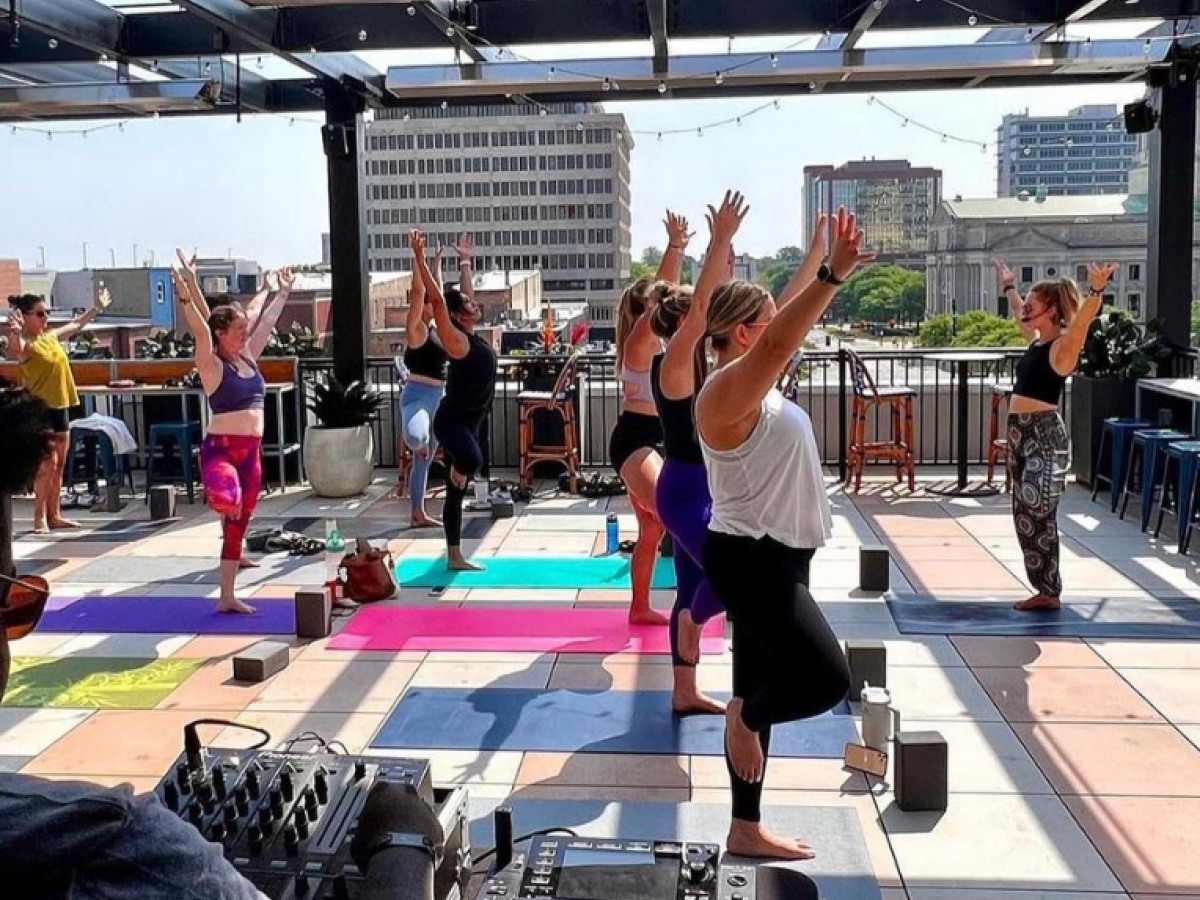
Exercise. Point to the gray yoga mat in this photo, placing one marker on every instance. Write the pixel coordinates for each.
(195, 570)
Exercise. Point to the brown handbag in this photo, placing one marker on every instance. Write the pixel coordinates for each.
(27, 597)
(368, 573)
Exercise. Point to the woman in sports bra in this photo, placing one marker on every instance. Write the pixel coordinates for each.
(636, 440)
(426, 362)
(769, 515)
(228, 345)
(1055, 320)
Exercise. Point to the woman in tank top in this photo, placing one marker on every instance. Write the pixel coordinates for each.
(1055, 320)
(426, 362)
(229, 341)
(769, 515)
(635, 443)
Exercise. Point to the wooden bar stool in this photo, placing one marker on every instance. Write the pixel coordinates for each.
(997, 445)
(899, 402)
(561, 402)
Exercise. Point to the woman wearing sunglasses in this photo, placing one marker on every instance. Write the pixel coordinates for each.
(47, 374)
(1054, 318)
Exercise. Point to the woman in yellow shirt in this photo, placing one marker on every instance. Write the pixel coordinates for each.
(47, 374)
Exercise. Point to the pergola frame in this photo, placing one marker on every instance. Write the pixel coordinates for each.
(70, 59)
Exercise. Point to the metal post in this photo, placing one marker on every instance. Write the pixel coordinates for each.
(841, 414)
(1172, 197)
(964, 400)
(343, 139)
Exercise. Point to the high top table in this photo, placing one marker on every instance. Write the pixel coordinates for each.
(963, 361)
(1187, 389)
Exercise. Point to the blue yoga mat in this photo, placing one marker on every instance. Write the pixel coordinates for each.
(1100, 617)
(165, 615)
(530, 572)
(574, 722)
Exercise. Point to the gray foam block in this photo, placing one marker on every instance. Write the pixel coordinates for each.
(260, 661)
(162, 502)
(868, 665)
(874, 568)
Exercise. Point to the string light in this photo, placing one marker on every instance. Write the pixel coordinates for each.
(445, 105)
(412, 10)
(774, 61)
(719, 78)
(972, 20)
(946, 136)
(607, 86)
(662, 87)
(52, 44)
(362, 36)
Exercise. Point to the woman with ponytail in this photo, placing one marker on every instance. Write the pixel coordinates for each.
(769, 515)
(1055, 320)
(636, 439)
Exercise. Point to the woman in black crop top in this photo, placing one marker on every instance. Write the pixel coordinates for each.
(1055, 320)
(470, 386)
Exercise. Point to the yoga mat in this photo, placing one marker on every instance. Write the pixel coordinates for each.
(1096, 617)
(577, 722)
(166, 615)
(531, 572)
(301, 570)
(842, 869)
(113, 532)
(510, 629)
(88, 682)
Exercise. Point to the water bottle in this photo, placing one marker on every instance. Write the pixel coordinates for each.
(612, 534)
(335, 549)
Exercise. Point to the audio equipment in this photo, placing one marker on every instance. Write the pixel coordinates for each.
(286, 820)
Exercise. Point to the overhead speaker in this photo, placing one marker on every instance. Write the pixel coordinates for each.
(1140, 117)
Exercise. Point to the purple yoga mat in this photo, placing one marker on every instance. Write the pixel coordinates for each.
(167, 615)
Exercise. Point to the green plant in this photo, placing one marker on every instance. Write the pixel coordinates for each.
(167, 345)
(1117, 348)
(336, 406)
(85, 346)
(974, 329)
(298, 340)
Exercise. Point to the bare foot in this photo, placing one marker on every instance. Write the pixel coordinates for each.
(246, 563)
(1038, 603)
(745, 752)
(63, 523)
(689, 638)
(456, 562)
(234, 605)
(423, 521)
(647, 617)
(694, 703)
(751, 839)
(41, 528)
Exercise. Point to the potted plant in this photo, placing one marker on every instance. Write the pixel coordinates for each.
(1115, 355)
(339, 451)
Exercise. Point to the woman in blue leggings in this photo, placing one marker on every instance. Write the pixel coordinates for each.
(426, 360)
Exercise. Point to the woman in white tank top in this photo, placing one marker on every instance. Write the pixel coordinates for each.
(769, 515)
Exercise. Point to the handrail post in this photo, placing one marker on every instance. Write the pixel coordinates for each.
(841, 414)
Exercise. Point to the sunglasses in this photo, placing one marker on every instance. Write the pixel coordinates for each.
(40, 314)
(27, 598)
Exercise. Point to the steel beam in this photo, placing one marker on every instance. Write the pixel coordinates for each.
(47, 73)
(868, 17)
(656, 15)
(48, 101)
(1082, 9)
(84, 23)
(253, 91)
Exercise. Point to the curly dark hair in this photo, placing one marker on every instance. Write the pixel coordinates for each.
(25, 424)
(25, 302)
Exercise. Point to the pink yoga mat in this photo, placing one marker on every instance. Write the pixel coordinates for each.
(511, 629)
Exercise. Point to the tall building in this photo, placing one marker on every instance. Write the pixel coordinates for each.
(1084, 152)
(893, 199)
(537, 191)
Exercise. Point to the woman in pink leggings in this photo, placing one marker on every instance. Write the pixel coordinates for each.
(228, 344)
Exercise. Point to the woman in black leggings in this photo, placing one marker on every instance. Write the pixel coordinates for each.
(769, 515)
(461, 418)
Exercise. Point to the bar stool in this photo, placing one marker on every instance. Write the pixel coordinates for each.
(998, 446)
(1116, 436)
(1185, 455)
(1148, 445)
(185, 437)
(899, 449)
(115, 466)
(560, 401)
(404, 462)
(1193, 520)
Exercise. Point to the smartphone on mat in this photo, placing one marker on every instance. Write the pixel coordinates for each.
(866, 760)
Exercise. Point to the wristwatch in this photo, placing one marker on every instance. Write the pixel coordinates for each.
(825, 275)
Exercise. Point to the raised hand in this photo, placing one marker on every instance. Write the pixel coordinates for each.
(103, 298)
(677, 230)
(437, 258)
(1099, 276)
(846, 255)
(465, 248)
(189, 265)
(416, 241)
(725, 221)
(271, 281)
(286, 277)
(16, 321)
(183, 290)
(1003, 272)
(816, 244)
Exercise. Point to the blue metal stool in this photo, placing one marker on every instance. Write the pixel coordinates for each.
(1188, 526)
(1186, 456)
(185, 436)
(1116, 436)
(1148, 446)
(115, 469)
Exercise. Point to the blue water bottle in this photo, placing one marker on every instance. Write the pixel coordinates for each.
(612, 534)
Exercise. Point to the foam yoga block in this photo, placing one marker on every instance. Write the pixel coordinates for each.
(314, 614)
(868, 665)
(162, 502)
(922, 772)
(261, 661)
(874, 568)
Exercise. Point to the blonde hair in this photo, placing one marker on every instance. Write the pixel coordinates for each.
(630, 309)
(1061, 294)
(733, 303)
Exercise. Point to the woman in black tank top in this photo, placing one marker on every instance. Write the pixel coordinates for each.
(1055, 320)
(470, 386)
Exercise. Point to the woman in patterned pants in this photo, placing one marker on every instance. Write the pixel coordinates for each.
(1054, 318)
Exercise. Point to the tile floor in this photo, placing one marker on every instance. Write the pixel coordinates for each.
(1074, 764)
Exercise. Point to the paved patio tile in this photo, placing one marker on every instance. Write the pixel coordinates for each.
(28, 732)
(469, 767)
(1064, 695)
(481, 675)
(130, 646)
(335, 687)
(1174, 692)
(1021, 652)
(604, 770)
(1123, 655)
(569, 674)
(709, 772)
(930, 576)
(985, 758)
(926, 693)
(212, 686)
(355, 730)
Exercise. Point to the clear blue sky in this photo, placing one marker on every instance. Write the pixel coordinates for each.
(259, 188)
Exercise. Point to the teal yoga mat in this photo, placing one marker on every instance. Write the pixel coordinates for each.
(530, 572)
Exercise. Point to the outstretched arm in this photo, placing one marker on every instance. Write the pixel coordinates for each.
(193, 282)
(454, 342)
(1064, 355)
(255, 307)
(262, 328)
(677, 375)
(804, 275)
(670, 267)
(84, 319)
(1016, 303)
(207, 363)
(465, 251)
(416, 332)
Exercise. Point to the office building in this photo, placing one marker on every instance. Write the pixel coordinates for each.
(1084, 152)
(138, 295)
(893, 199)
(548, 192)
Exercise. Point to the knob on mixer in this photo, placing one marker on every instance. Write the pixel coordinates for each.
(696, 871)
(321, 784)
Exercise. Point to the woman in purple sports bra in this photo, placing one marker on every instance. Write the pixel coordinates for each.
(229, 341)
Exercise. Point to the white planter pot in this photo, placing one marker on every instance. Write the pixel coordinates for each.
(339, 462)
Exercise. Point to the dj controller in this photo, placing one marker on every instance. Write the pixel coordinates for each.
(286, 819)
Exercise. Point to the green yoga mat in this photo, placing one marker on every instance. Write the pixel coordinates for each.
(530, 572)
(93, 682)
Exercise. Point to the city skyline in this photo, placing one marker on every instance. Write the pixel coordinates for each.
(259, 188)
